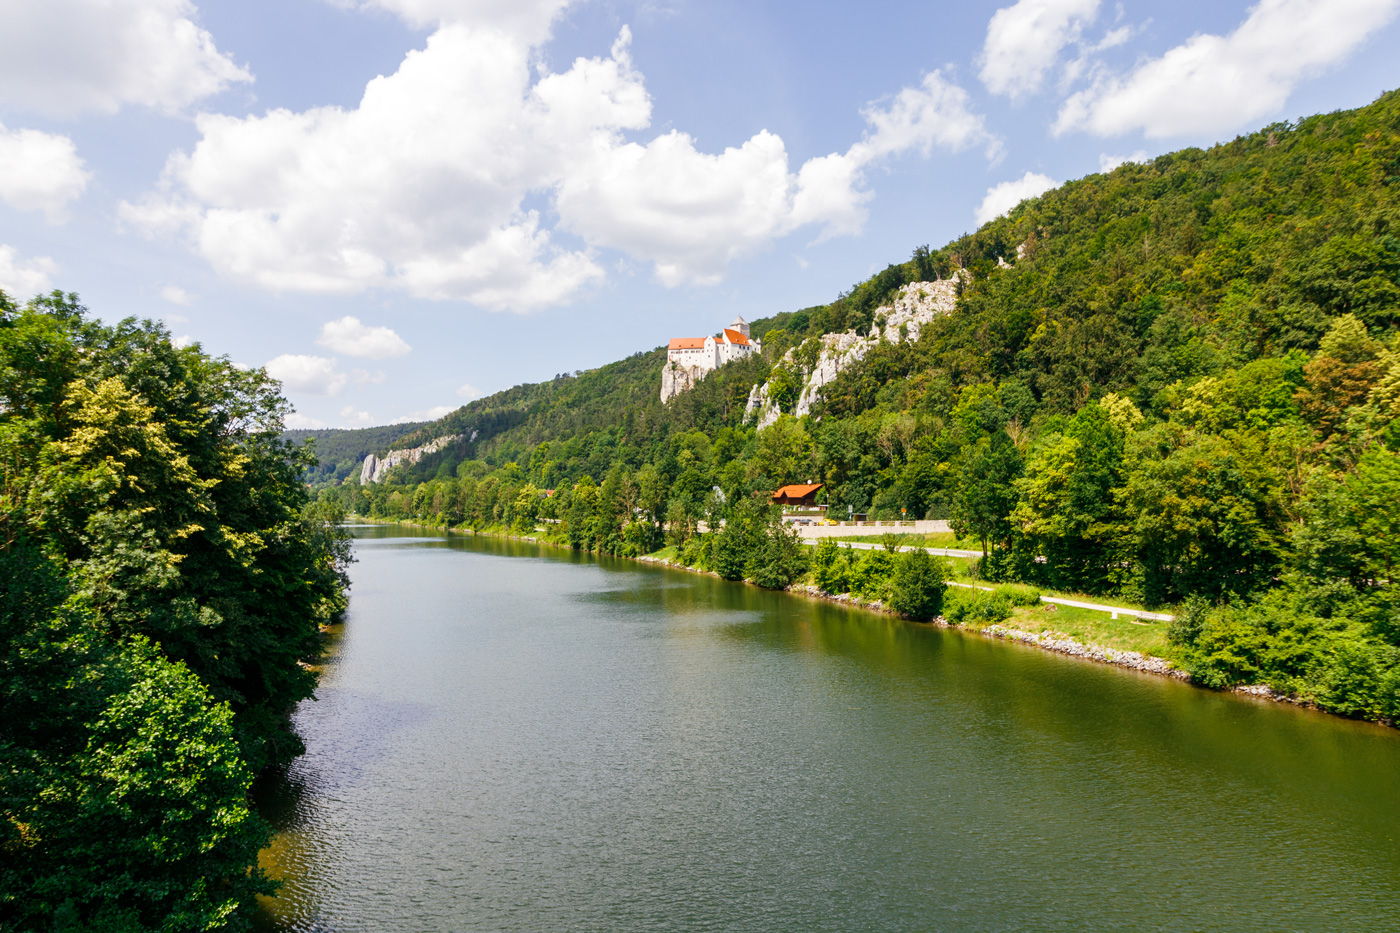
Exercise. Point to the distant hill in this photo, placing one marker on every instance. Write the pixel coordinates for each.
(341, 451)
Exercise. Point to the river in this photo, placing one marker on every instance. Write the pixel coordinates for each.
(514, 738)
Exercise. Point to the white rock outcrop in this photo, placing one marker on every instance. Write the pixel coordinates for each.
(676, 379)
(914, 305)
(375, 468)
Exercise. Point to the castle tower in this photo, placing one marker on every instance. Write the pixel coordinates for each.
(741, 325)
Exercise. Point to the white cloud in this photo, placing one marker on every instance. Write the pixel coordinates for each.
(65, 57)
(1002, 198)
(175, 319)
(1216, 84)
(184, 340)
(1024, 42)
(351, 416)
(936, 113)
(176, 296)
(1108, 163)
(298, 421)
(363, 377)
(526, 19)
(422, 186)
(314, 375)
(468, 391)
(426, 414)
(40, 172)
(21, 280)
(352, 338)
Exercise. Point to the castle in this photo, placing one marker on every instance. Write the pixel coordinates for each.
(690, 359)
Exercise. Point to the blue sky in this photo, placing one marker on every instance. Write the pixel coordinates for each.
(397, 205)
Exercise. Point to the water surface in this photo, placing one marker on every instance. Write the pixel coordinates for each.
(513, 738)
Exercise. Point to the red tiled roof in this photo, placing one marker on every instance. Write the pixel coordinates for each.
(686, 343)
(797, 491)
(736, 337)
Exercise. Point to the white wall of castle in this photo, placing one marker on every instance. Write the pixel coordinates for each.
(686, 366)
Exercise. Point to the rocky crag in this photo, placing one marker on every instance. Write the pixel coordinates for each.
(915, 305)
(375, 468)
(676, 379)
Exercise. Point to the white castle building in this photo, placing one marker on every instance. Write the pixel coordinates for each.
(711, 352)
(690, 359)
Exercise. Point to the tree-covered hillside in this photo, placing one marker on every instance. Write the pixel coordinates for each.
(1177, 382)
(341, 451)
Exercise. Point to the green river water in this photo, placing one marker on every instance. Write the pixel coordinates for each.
(513, 738)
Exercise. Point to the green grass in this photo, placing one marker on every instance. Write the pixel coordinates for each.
(1091, 627)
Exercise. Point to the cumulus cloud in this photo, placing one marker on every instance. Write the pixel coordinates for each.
(422, 186)
(176, 296)
(1108, 163)
(1216, 84)
(313, 375)
(1024, 42)
(352, 338)
(363, 377)
(354, 417)
(40, 172)
(22, 279)
(468, 391)
(1002, 198)
(298, 421)
(65, 57)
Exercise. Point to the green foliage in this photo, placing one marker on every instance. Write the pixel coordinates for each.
(976, 607)
(918, 585)
(1018, 594)
(831, 566)
(871, 576)
(780, 559)
(163, 579)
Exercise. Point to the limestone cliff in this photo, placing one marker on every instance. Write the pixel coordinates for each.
(676, 379)
(914, 305)
(375, 468)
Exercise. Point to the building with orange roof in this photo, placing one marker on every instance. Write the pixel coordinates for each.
(797, 494)
(690, 359)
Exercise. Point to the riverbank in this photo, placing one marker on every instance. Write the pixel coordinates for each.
(1047, 639)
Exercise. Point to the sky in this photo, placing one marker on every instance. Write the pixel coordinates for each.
(397, 206)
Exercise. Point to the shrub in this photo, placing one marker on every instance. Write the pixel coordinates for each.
(977, 607)
(1189, 621)
(779, 559)
(1019, 594)
(692, 553)
(918, 585)
(870, 577)
(831, 567)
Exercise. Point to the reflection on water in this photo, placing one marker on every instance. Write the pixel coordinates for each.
(515, 738)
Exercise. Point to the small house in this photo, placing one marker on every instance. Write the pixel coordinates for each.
(804, 495)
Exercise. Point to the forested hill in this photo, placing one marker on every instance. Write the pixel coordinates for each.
(1131, 282)
(1178, 382)
(341, 451)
